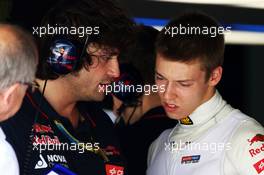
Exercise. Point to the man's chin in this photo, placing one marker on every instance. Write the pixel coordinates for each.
(99, 97)
(174, 116)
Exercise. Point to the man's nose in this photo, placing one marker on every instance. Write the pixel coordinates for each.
(169, 92)
(113, 67)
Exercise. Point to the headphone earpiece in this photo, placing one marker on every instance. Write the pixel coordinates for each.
(129, 76)
(65, 55)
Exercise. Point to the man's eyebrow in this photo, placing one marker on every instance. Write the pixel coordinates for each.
(179, 81)
(187, 80)
(160, 75)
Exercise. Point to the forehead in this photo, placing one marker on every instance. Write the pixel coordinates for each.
(101, 49)
(177, 70)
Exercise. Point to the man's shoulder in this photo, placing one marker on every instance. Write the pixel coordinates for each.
(245, 130)
(17, 127)
(247, 146)
(247, 127)
(161, 140)
(158, 145)
(22, 117)
(165, 134)
(244, 125)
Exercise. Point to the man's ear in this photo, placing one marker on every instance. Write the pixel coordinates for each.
(216, 76)
(9, 92)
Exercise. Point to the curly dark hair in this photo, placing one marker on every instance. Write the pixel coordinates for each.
(115, 28)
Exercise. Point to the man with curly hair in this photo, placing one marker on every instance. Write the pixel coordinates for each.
(54, 132)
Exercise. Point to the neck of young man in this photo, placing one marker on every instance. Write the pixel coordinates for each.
(60, 97)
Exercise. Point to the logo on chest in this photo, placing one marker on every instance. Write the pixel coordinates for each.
(186, 121)
(114, 169)
(48, 161)
(190, 159)
(38, 128)
(256, 138)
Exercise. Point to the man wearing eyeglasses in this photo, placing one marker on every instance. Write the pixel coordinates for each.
(18, 61)
(58, 130)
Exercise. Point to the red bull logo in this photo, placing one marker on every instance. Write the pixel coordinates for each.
(256, 138)
(47, 140)
(256, 151)
(38, 128)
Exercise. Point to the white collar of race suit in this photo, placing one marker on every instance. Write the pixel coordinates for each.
(204, 112)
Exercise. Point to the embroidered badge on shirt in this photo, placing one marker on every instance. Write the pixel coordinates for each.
(186, 121)
(256, 138)
(259, 166)
(114, 169)
(190, 159)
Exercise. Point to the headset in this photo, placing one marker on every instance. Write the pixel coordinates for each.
(129, 76)
(65, 54)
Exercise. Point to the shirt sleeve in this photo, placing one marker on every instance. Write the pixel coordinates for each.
(246, 155)
(150, 152)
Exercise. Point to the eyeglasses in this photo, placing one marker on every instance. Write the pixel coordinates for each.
(96, 59)
(103, 54)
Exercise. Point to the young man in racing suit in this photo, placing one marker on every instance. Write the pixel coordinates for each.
(56, 130)
(211, 137)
